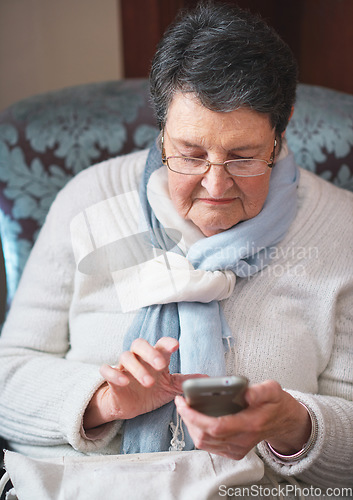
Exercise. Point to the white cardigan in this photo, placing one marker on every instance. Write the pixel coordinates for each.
(292, 322)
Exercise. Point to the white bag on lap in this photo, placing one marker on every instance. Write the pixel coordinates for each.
(195, 475)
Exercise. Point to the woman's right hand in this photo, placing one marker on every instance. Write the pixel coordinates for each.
(140, 383)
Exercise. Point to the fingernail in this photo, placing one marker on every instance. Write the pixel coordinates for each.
(122, 380)
(158, 363)
(147, 380)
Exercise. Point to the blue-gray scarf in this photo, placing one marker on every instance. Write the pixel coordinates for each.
(201, 327)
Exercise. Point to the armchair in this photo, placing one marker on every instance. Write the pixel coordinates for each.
(47, 139)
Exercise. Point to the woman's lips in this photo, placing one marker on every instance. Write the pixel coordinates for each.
(215, 201)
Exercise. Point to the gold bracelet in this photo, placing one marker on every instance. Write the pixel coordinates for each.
(307, 446)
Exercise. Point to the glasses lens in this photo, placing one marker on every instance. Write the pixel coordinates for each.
(186, 165)
(247, 167)
(239, 168)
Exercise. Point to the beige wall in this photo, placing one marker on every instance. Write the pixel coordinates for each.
(51, 44)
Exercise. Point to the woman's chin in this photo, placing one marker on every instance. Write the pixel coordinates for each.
(214, 228)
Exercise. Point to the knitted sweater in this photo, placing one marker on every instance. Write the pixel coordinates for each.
(292, 322)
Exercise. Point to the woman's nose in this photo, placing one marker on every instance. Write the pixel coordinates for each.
(217, 181)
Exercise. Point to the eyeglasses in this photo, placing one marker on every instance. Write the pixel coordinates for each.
(242, 167)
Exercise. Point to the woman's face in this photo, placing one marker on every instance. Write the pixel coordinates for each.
(216, 201)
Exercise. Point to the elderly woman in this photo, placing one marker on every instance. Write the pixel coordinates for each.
(210, 254)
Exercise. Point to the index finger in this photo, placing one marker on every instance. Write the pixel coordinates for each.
(157, 356)
(149, 354)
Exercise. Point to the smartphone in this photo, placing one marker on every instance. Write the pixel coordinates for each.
(216, 396)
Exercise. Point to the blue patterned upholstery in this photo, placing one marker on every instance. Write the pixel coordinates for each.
(46, 139)
(321, 133)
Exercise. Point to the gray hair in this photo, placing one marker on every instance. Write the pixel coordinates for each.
(229, 58)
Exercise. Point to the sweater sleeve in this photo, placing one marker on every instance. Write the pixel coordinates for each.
(43, 395)
(330, 462)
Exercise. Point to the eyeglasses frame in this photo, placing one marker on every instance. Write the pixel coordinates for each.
(209, 164)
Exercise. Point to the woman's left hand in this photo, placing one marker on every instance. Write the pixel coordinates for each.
(272, 415)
